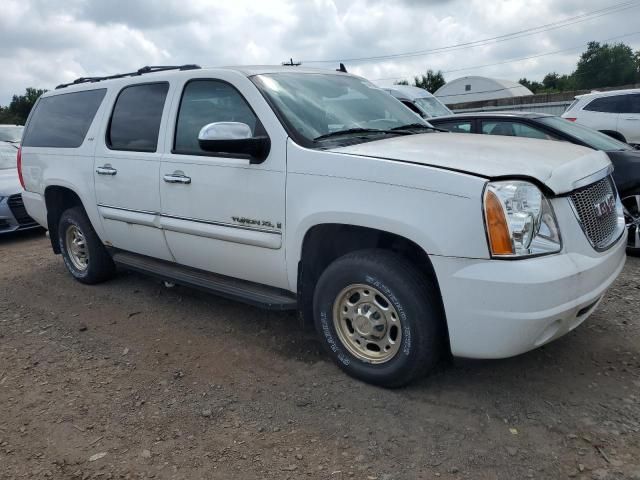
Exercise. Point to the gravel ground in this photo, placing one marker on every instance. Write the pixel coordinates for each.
(130, 379)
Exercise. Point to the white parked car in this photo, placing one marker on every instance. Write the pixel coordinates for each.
(419, 101)
(616, 113)
(289, 188)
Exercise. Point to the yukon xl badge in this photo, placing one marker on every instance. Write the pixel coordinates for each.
(606, 206)
(256, 222)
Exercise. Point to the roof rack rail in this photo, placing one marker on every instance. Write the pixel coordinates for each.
(140, 71)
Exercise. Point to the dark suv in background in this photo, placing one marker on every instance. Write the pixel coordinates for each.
(625, 159)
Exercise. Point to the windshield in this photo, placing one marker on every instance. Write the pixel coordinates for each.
(316, 105)
(10, 134)
(594, 139)
(432, 106)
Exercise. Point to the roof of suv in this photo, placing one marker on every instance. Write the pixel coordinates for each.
(609, 93)
(189, 70)
(504, 114)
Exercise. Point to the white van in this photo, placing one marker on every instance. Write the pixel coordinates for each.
(419, 101)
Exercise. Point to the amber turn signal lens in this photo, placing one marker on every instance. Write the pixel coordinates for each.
(497, 228)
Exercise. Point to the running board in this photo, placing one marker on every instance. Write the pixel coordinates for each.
(248, 292)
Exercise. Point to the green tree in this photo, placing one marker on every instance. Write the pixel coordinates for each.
(532, 85)
(20, 106)
(606, 66)
(554, 82)
(431, 82)
(401, 82)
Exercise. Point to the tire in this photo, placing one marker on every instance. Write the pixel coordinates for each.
(631, 203)
(89, 263)
(616, 135)
(418, 340)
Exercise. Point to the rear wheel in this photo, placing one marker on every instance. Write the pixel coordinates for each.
(84, 255)
(631, 204)
(379, 318)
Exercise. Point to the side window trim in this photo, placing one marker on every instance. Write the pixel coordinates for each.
(259, 126)
(107, 133)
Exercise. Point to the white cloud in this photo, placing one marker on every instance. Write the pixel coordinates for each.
(47, 42)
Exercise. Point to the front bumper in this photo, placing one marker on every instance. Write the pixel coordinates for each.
(498, 308)
(13, 215)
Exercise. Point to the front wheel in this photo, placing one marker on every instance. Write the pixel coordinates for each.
(380, 319)
(631, 205)
(84, 255)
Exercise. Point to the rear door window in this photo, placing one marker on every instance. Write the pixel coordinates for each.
(135, 121)
(514, 129)
(632, 105)
(612, 104)
(62, 121)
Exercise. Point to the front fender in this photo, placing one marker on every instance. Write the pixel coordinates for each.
(440, 223)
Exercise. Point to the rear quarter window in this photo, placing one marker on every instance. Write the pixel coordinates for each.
(456, 126)
(62, 121)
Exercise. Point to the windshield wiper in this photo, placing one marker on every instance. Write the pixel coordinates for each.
(350, 131)
(414, 126)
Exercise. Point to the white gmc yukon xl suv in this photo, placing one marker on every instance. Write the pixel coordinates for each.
(297, 188)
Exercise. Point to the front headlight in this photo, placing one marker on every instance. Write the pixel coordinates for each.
(519, 220)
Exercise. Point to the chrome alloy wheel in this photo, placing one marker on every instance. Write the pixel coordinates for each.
(631, 206)
(367, 323)
(77, 248)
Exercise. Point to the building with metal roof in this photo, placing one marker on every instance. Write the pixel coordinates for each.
(472, 89)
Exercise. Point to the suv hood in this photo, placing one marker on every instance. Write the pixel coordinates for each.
(558, 165)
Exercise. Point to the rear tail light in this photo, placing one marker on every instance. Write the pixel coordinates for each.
(19, 165)
(571, 119)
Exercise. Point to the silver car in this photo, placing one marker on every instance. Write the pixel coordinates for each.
(13, 215)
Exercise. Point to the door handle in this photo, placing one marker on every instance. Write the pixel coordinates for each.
(177, 177)
(632, 118)
(106, 170)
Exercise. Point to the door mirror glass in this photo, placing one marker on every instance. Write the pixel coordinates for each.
(233, 138)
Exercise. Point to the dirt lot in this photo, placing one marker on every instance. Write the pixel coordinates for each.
(132, 380)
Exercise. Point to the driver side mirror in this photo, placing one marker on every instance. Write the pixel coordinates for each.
(234, 138)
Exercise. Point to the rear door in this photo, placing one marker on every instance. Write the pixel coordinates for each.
(601, 113)
(220, 212)
(126, 170)
(629, 118)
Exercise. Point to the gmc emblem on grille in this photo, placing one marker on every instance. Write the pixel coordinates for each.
(606, 206)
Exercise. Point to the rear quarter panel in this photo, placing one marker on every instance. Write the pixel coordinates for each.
(72, 168)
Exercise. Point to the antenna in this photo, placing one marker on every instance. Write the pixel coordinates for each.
(291, 63)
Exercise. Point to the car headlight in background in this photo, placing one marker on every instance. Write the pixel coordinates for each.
(519, 220)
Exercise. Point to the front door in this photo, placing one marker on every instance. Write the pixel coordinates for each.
(221, 213)
(126, 171)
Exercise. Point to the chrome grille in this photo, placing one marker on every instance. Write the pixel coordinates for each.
(601, 225)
